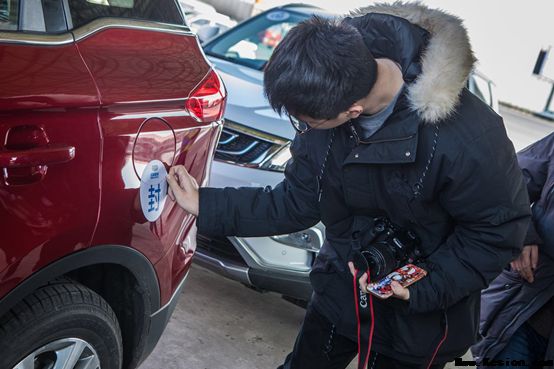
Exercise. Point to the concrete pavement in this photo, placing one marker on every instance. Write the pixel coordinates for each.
(220, 324)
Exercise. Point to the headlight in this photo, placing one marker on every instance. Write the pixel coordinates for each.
(245, 146)
(309, 239)
(278, 161)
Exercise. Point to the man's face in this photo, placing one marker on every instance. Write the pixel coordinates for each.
(352, 113)
(304, 123)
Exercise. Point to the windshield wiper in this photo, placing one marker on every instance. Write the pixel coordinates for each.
(224, 57)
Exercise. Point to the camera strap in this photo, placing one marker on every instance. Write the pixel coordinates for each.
(364, 305)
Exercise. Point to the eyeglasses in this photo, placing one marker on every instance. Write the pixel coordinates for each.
(299, 125)
(302, 126)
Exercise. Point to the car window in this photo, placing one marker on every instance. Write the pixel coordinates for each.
(32, 15)
(9, 15)
(85, 11)
(252, 43)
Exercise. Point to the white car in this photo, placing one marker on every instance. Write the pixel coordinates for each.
(204, 19)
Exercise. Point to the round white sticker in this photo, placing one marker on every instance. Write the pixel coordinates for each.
(153, 190)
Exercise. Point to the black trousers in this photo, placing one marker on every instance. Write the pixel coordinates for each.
(319, 347)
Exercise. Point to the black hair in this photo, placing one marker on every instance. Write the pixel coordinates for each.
(320, 68)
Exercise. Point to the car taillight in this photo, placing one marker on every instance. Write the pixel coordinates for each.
(206, 102)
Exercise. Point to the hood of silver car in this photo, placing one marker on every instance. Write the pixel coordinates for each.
(246, 103)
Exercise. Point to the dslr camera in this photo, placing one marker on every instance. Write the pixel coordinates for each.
(391, 247)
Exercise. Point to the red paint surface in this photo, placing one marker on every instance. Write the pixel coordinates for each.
(96, 96)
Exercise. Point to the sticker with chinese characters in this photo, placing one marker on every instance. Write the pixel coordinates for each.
(153, 190)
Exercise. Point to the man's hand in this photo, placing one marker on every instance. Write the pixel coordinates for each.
(183, 189)
(398, 291)
(526, 262)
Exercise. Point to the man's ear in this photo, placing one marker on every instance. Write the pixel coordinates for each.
(354, 111)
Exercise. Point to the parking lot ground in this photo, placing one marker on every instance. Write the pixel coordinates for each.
(220, 324)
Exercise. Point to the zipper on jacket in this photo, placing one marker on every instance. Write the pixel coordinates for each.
(359, 141)
(355, 134)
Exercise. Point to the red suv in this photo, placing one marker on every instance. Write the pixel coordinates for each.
(98, 99)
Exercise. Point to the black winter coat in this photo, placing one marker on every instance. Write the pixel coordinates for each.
(510, 300)
(441, 165)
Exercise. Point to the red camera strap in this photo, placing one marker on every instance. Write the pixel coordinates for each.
(366, 320)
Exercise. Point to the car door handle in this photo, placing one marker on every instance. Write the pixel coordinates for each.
(44, 155)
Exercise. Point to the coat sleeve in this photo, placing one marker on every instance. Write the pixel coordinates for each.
(254, 212)
(534, 162)
(485, 195)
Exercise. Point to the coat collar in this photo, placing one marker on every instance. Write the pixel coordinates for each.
(442, 66)
(395, 143)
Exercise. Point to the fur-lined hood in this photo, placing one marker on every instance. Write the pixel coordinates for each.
(445, 63)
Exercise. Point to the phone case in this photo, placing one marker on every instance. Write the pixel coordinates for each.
(406, 275)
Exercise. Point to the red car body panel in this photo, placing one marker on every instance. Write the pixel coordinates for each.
(120, 108)
(42, 77)
(172, 67)
(46, 216)
(143, 118)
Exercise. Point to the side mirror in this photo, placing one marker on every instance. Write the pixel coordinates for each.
(207, 32)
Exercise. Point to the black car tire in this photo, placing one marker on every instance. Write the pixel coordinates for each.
(60, 311)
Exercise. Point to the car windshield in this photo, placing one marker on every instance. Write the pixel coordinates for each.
(252, 43)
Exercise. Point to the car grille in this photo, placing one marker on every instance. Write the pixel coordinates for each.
(244, 146)
(219, 247)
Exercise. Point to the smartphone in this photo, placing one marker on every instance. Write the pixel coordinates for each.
(406, 275)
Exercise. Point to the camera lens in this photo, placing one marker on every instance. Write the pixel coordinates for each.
(381, 260)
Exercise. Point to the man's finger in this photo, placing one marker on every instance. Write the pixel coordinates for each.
(170, 193)
(527, 273)
(352, 269)
(363, 281)
(400, 292)
(181, 175)
(180, 170)
(171, 183)
(534, 256)
(185, 179)
(170, 179)
(525, 258)
(512, 265)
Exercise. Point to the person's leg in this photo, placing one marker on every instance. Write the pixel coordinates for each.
(379, 361)
(318, 346)
(525, 345)
(517, 348)
(537, 346)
